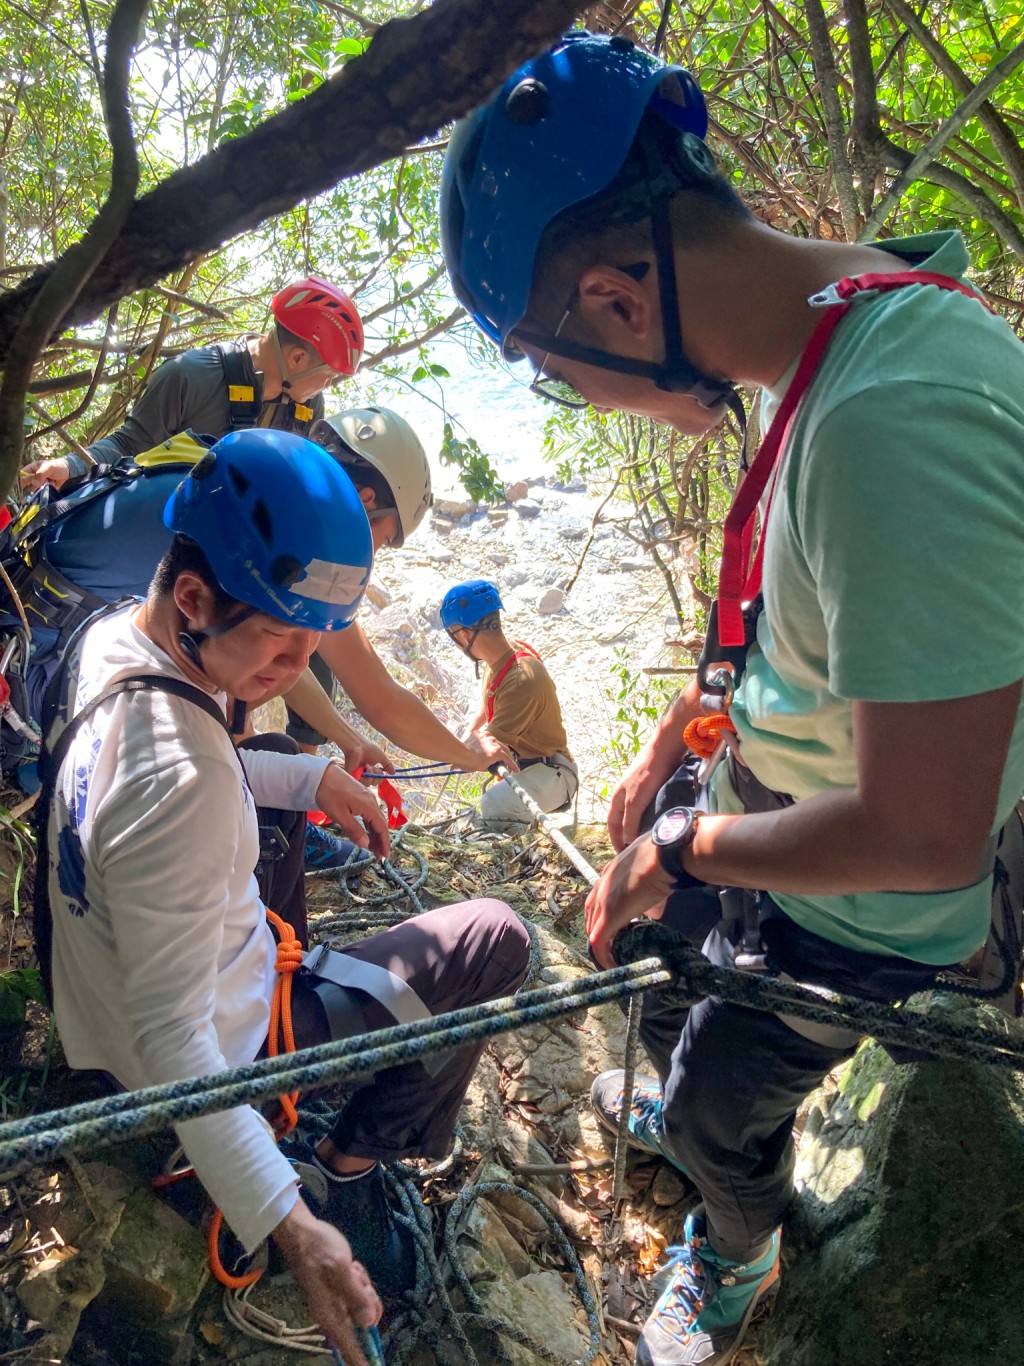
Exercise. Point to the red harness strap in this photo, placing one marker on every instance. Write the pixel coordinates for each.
(522, 651)
(739, 581)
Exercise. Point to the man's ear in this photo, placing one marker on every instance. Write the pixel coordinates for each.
(613, 302)
(368, 498)
(297, 358)
(193, 598)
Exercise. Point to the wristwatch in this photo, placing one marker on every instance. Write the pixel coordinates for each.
(673, 833)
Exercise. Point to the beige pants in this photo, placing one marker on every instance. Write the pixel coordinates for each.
(550, 787)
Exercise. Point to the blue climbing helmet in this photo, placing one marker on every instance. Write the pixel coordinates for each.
(281, 526)
(469, 602)
(557, 134)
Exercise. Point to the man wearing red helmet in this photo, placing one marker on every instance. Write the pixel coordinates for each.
(269, 380)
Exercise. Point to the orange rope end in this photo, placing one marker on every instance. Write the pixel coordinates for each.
(217, 1266)
(704, 732)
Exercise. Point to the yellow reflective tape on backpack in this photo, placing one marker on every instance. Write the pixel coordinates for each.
(302, 413)
(182, 449)
(241, 393)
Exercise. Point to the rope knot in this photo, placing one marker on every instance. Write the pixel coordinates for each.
(289, 956)
(704, 732)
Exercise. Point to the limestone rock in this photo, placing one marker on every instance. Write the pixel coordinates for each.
(552, 600)
(514, 578)
(514, 492)
(453, 509)
(668, 1187)
(904, 1241)
(528, 507)
(497, 514)
(499, 558)
(574, 533)
(156, 1263)
(377, 596)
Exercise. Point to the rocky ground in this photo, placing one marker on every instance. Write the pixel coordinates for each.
(95, 1268)
(530, 547)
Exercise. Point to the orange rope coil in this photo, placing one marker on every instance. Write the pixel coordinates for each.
(703, 734)
(280, 1038)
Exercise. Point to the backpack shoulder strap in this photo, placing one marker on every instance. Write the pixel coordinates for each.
(50, 762)
(244, 404)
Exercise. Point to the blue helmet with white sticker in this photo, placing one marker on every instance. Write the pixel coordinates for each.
(281, 525)
(557, 133)
(469, 602)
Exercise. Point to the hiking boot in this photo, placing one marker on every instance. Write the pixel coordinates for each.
(646, 1130)
(707, 1302)
(358, 1206)
(325, 852)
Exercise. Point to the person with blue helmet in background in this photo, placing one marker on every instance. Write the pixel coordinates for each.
(519, 708)
(587, 229)
(153, 932)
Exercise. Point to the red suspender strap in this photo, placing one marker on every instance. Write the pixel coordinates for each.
(739, 581)
(522, 651)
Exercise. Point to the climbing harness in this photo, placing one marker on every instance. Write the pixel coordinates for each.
(520, 651)
(739, 580)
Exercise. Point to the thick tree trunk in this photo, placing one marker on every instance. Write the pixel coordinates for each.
(417, 75)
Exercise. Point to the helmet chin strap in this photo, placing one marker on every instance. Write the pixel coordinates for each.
(288, 380)
(676, 371)
(192, 642)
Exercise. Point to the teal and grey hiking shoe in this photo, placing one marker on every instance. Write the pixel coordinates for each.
(646, 1132)
(327, 853)
(707, 1303)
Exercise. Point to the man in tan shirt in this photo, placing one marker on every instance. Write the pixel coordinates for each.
(519, 708)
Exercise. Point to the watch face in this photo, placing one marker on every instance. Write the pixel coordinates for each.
(674, 826)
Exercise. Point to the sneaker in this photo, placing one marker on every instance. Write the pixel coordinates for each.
(708, 1301)
(646, 1130)
(325, 851)
(359, 1208)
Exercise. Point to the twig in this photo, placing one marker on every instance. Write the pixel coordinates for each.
(93, 383)
(208, 310)
(928, 153)
(578, 1164)
(593, 529)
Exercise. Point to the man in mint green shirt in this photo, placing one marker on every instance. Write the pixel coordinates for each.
(880, 734)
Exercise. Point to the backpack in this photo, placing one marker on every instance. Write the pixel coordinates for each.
(34, 594)
(244, 408)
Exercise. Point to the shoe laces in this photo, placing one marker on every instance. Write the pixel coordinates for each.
(692, 1283)
(646, 1108)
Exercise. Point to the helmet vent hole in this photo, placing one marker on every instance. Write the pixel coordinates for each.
(204, 466)
(263, 522)
(285, 570)
(238, 481)
(528, 103)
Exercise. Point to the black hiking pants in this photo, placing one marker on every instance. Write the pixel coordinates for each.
(733, 1078)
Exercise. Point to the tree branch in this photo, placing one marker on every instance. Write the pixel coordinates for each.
(921, 163)
(400, 348)
(417, 75)
(64, 283)
(991, 120)
(835, 131)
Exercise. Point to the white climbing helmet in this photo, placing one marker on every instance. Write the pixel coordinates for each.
(384, 440)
